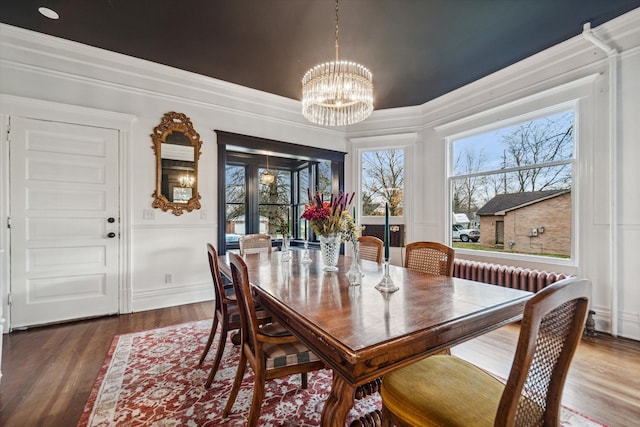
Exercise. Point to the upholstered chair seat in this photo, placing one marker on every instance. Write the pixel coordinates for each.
(457, 393)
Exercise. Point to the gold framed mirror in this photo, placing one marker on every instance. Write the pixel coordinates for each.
(177, 147)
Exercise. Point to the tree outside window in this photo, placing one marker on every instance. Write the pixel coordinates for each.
(382, 182)
(275, 203)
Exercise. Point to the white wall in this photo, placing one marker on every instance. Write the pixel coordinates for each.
(45, 68)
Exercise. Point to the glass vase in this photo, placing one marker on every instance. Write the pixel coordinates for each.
(330, 251)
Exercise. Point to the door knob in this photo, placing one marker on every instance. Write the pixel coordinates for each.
(111, 220)
(111, 235)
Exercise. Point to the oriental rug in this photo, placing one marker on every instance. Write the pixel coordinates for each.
(152, 378)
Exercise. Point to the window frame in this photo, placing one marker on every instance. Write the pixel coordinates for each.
(504, 117)
(282, 155)
(405, 142)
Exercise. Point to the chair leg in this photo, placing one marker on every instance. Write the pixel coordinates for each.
(303, 380)
(214, 327)
(242, 364)
(221, 343)
(256, 402)
(386, 417)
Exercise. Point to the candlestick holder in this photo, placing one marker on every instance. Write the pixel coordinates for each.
(355, 274)
(306, 259)
(386, 284)
(286, 254)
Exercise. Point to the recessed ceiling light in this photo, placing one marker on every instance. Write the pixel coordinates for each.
(51, 14)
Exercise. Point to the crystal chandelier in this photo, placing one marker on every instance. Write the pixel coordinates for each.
(337, 93)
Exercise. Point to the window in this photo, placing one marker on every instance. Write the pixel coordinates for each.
(382, 181)
(235, 193)
(275, 203)
(511, 187)
(248, 205)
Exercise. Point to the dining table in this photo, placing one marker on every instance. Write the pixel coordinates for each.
(362, 333)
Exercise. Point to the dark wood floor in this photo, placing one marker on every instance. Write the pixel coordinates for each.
(49, 372)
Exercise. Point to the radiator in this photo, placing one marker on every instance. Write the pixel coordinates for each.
(504, 275)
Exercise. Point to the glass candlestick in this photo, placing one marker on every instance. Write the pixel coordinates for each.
(355, 274)
(306, 259)
(286, 255)
(386, 284)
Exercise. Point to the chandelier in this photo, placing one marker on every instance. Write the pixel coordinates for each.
(187, 181)
(267, 177)
(337, 93)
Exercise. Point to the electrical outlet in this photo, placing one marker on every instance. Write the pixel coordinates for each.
(168, 278)
(203, 214)
(148, 214)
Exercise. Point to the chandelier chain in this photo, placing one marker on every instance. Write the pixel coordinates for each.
(337, 33)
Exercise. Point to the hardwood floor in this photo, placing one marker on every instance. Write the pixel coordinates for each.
(50, 371)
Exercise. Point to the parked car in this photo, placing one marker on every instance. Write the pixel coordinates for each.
(459, 233)
(232, 238)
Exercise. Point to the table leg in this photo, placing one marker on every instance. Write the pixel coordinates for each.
(339, 402)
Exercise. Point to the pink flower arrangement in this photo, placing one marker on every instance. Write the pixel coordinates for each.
(328, 217)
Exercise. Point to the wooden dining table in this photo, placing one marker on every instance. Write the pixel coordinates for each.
(361, 333)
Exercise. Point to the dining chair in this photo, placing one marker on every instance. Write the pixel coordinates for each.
(226, 313)
(446, 390)
(430, 257)
(270, 349)
(370, 248)
(255, 243)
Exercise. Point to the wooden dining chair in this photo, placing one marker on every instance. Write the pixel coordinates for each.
(430, 257)
(226, 314)
(255, 243)
(370, 248)
(446, 390)
(270, 349)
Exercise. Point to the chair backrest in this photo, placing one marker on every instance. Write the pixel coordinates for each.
(248, 318)
(370, 248)
(430, 257)
(255, 243)
(549, 334)
(218, 284)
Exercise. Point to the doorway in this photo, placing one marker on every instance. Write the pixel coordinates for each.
(64, 221)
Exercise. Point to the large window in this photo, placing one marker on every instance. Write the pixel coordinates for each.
(511, 187)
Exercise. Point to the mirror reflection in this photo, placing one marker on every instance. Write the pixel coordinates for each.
(177, 147)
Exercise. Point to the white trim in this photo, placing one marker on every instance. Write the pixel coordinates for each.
(114, 71)
(170, 296)
(560, 89)
(404, 141)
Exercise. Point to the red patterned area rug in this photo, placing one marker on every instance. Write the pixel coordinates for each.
(152, 378)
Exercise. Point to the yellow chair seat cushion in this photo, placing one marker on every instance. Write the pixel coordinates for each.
(442, 391)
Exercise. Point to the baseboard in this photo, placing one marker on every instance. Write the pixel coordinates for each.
(162, 297)
(628, 323)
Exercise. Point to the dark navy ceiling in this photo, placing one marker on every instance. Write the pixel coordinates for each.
(417, 50)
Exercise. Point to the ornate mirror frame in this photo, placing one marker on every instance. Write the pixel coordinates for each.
(177, 123)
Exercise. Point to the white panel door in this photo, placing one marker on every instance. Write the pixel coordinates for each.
(64, 221)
